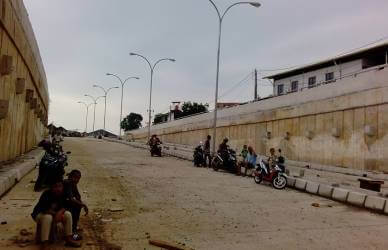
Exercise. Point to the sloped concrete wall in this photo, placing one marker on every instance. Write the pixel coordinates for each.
(24, 124)
(344, 109)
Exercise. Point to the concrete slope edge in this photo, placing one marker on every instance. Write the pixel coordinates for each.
(349, 197)
(11, 174)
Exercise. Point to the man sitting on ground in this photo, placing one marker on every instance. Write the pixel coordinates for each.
(51, 210)
(74, 203)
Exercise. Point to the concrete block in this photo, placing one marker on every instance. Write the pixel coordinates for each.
(325, 191)
(356, 199)
(291, 181)
(312, 187)
(375, 203)
(340, 194)
(300, 184)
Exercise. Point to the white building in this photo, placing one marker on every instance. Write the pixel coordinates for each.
(331, 70)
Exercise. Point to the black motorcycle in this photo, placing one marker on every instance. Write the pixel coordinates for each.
(51, 167)
(156, 149)
(226, 161)
(199, 156)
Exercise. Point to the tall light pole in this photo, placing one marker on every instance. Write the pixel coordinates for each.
(152, 68)
(106, 91)
(122, 93)
(87, 114)
(221, 18)
(94, 115)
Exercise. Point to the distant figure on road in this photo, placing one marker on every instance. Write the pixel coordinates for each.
(207, 151)
(74, 202)
(51, 210)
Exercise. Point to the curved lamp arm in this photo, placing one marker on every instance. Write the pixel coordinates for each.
(161, 60)
(135, 54)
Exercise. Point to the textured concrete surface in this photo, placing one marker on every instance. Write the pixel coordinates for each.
(171, 200)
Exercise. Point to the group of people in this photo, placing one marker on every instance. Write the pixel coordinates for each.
(248, 156)
(60, 203)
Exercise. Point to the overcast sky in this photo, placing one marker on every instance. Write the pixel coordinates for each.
(80, 41)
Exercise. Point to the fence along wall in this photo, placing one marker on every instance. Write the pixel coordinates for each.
(342, 124)
(23, 86)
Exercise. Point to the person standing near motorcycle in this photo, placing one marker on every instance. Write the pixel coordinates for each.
(207, 151)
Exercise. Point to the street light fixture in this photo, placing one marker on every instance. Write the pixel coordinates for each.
(221, 18)
(87, 114)
(152, 69)
(94, 115)
(122, 93)
(106, 91)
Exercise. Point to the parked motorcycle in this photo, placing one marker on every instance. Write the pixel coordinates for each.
(156, 149)
(199, 156)
(227, 164)
(275, 175)
(51, 167)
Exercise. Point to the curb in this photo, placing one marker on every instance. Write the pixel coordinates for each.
(13, 173)
(369, 202)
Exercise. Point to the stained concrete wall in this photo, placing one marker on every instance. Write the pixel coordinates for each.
(24, 124)
(344, 109)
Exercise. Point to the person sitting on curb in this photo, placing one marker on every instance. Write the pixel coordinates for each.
(272, 160)
(74, 203)
(51, 210)
(250, 160)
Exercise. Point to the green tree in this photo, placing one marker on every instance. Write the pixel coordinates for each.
(189, 108)
(159, 118)
(131, 122)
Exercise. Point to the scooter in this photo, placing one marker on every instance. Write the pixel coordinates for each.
(199, 156)
(228, 164)
(275, 176)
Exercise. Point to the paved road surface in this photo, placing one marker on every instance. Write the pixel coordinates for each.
(170, 200)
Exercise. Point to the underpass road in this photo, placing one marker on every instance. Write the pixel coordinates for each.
(169, 199)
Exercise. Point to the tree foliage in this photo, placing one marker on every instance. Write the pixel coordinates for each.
(189, 108)
(159, 118)
(131, 122)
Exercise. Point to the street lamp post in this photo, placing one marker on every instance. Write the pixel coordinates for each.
(106, 91)
(152, 69)
(87, 114)
(122, 93)
(94, 115)
(221, 18)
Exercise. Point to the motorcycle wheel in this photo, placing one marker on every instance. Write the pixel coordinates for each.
(215, 165)
(258, 178)
(279, 182)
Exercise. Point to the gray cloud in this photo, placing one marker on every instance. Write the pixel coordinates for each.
(82, 40)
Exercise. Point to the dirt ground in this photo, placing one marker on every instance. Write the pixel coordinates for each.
(170, 200)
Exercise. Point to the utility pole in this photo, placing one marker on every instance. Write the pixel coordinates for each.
(255, 94)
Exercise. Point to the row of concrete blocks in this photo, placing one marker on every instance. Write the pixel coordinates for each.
(11, 175)
(374, 203)
(338, 194)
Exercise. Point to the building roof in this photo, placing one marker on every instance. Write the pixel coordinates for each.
(342, 58)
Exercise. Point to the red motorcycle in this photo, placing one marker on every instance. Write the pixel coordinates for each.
(275, 176)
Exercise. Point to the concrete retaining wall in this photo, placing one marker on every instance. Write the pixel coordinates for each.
(344, 124)
(23, 84)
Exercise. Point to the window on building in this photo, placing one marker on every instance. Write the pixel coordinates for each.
(312, 81)
(280, 89)
(294, 86)
(329, 77)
